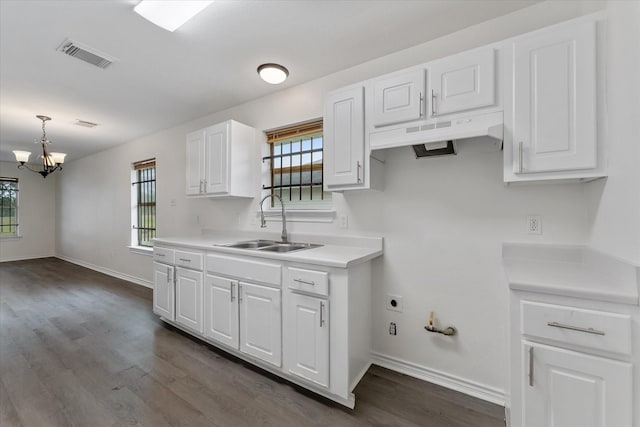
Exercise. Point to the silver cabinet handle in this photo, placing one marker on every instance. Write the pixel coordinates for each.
(168, 274)
(200, 186)
(358, 171)
(575, 328)
(305, 282)
(433, 103)
(185, 260)
(531, 366)
(239, 292)
(520, 156)
(231, 293)
(321, 314)
(162, 255)
(421, 102)
(204, 185)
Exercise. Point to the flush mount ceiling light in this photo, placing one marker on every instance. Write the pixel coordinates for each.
(273, 73)
(50, 161)
(168, 14)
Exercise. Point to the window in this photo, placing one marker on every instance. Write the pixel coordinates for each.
(8, 207)
(143, 200)
(295, 159)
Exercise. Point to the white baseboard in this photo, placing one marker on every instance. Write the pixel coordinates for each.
(108, 271)
(490, 394)
(25, 258)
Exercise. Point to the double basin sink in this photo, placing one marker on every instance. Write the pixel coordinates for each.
(271, 246)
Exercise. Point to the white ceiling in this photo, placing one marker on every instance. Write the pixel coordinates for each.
(162, 79)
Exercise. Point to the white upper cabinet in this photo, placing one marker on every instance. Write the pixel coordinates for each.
(398, 98)
(195, 162)
(554, 114)
(344, 155)
(219, 161)
(462, 82)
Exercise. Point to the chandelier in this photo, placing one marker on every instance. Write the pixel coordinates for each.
(50, 161)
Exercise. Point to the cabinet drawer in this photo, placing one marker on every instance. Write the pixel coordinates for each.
(163, 255)
(254, 271)
(598, 330)
(312, 281)
(189, 260)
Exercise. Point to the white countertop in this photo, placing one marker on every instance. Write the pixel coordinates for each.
(573, 271)
(337, 251)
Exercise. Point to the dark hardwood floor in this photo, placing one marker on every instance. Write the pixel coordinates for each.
(79, 348)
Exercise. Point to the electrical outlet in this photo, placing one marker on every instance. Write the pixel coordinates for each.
(393, 330)
(534, 224)
(343, 221)
(394, 303)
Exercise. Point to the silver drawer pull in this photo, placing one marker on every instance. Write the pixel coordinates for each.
(159, 254)
(575, 328)
(305, 282)
(185, 260)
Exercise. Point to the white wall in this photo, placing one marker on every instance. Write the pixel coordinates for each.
(615, 202)
(36, 215)
(443, 219)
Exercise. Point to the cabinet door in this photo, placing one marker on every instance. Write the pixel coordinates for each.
(189, 299)
(195, 162)
(307, 334)
(260, 322)
(398, 98)
(216, 178)
(462, 82)
(570, 389)
(221, 310)
(554, 96)
(343, 135)
(163, 291)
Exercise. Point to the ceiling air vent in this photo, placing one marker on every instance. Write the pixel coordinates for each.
(85, 123)
(87, 54)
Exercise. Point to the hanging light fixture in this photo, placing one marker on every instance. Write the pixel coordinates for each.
(50, 161)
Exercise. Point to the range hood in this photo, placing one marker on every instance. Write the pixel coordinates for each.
(473, 133)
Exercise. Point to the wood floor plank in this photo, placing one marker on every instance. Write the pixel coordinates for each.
(78, 348)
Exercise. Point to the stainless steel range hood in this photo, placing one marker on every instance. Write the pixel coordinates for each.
(473, 133)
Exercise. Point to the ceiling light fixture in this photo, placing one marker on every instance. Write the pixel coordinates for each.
(273, 73)
(50, 161)
(168, 14)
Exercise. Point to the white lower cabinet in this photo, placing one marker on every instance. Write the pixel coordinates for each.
(163, 290)
(188, 296)
(307, 332)
(221, 310)
(309, 325)
(260, 322)
(565, 388)
(571, 362)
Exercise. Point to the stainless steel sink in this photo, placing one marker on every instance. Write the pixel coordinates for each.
(253, 244)
(288, 247)
(271, 246)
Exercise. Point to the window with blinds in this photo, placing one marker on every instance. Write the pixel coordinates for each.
(295, 159)
(143, 196)
(8, 207)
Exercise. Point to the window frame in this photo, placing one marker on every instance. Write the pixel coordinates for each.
(308, 197)
(16, 209)
(148, 206)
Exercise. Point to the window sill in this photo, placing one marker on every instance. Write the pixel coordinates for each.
(300, 215)
(141, 250)
(10, 237)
